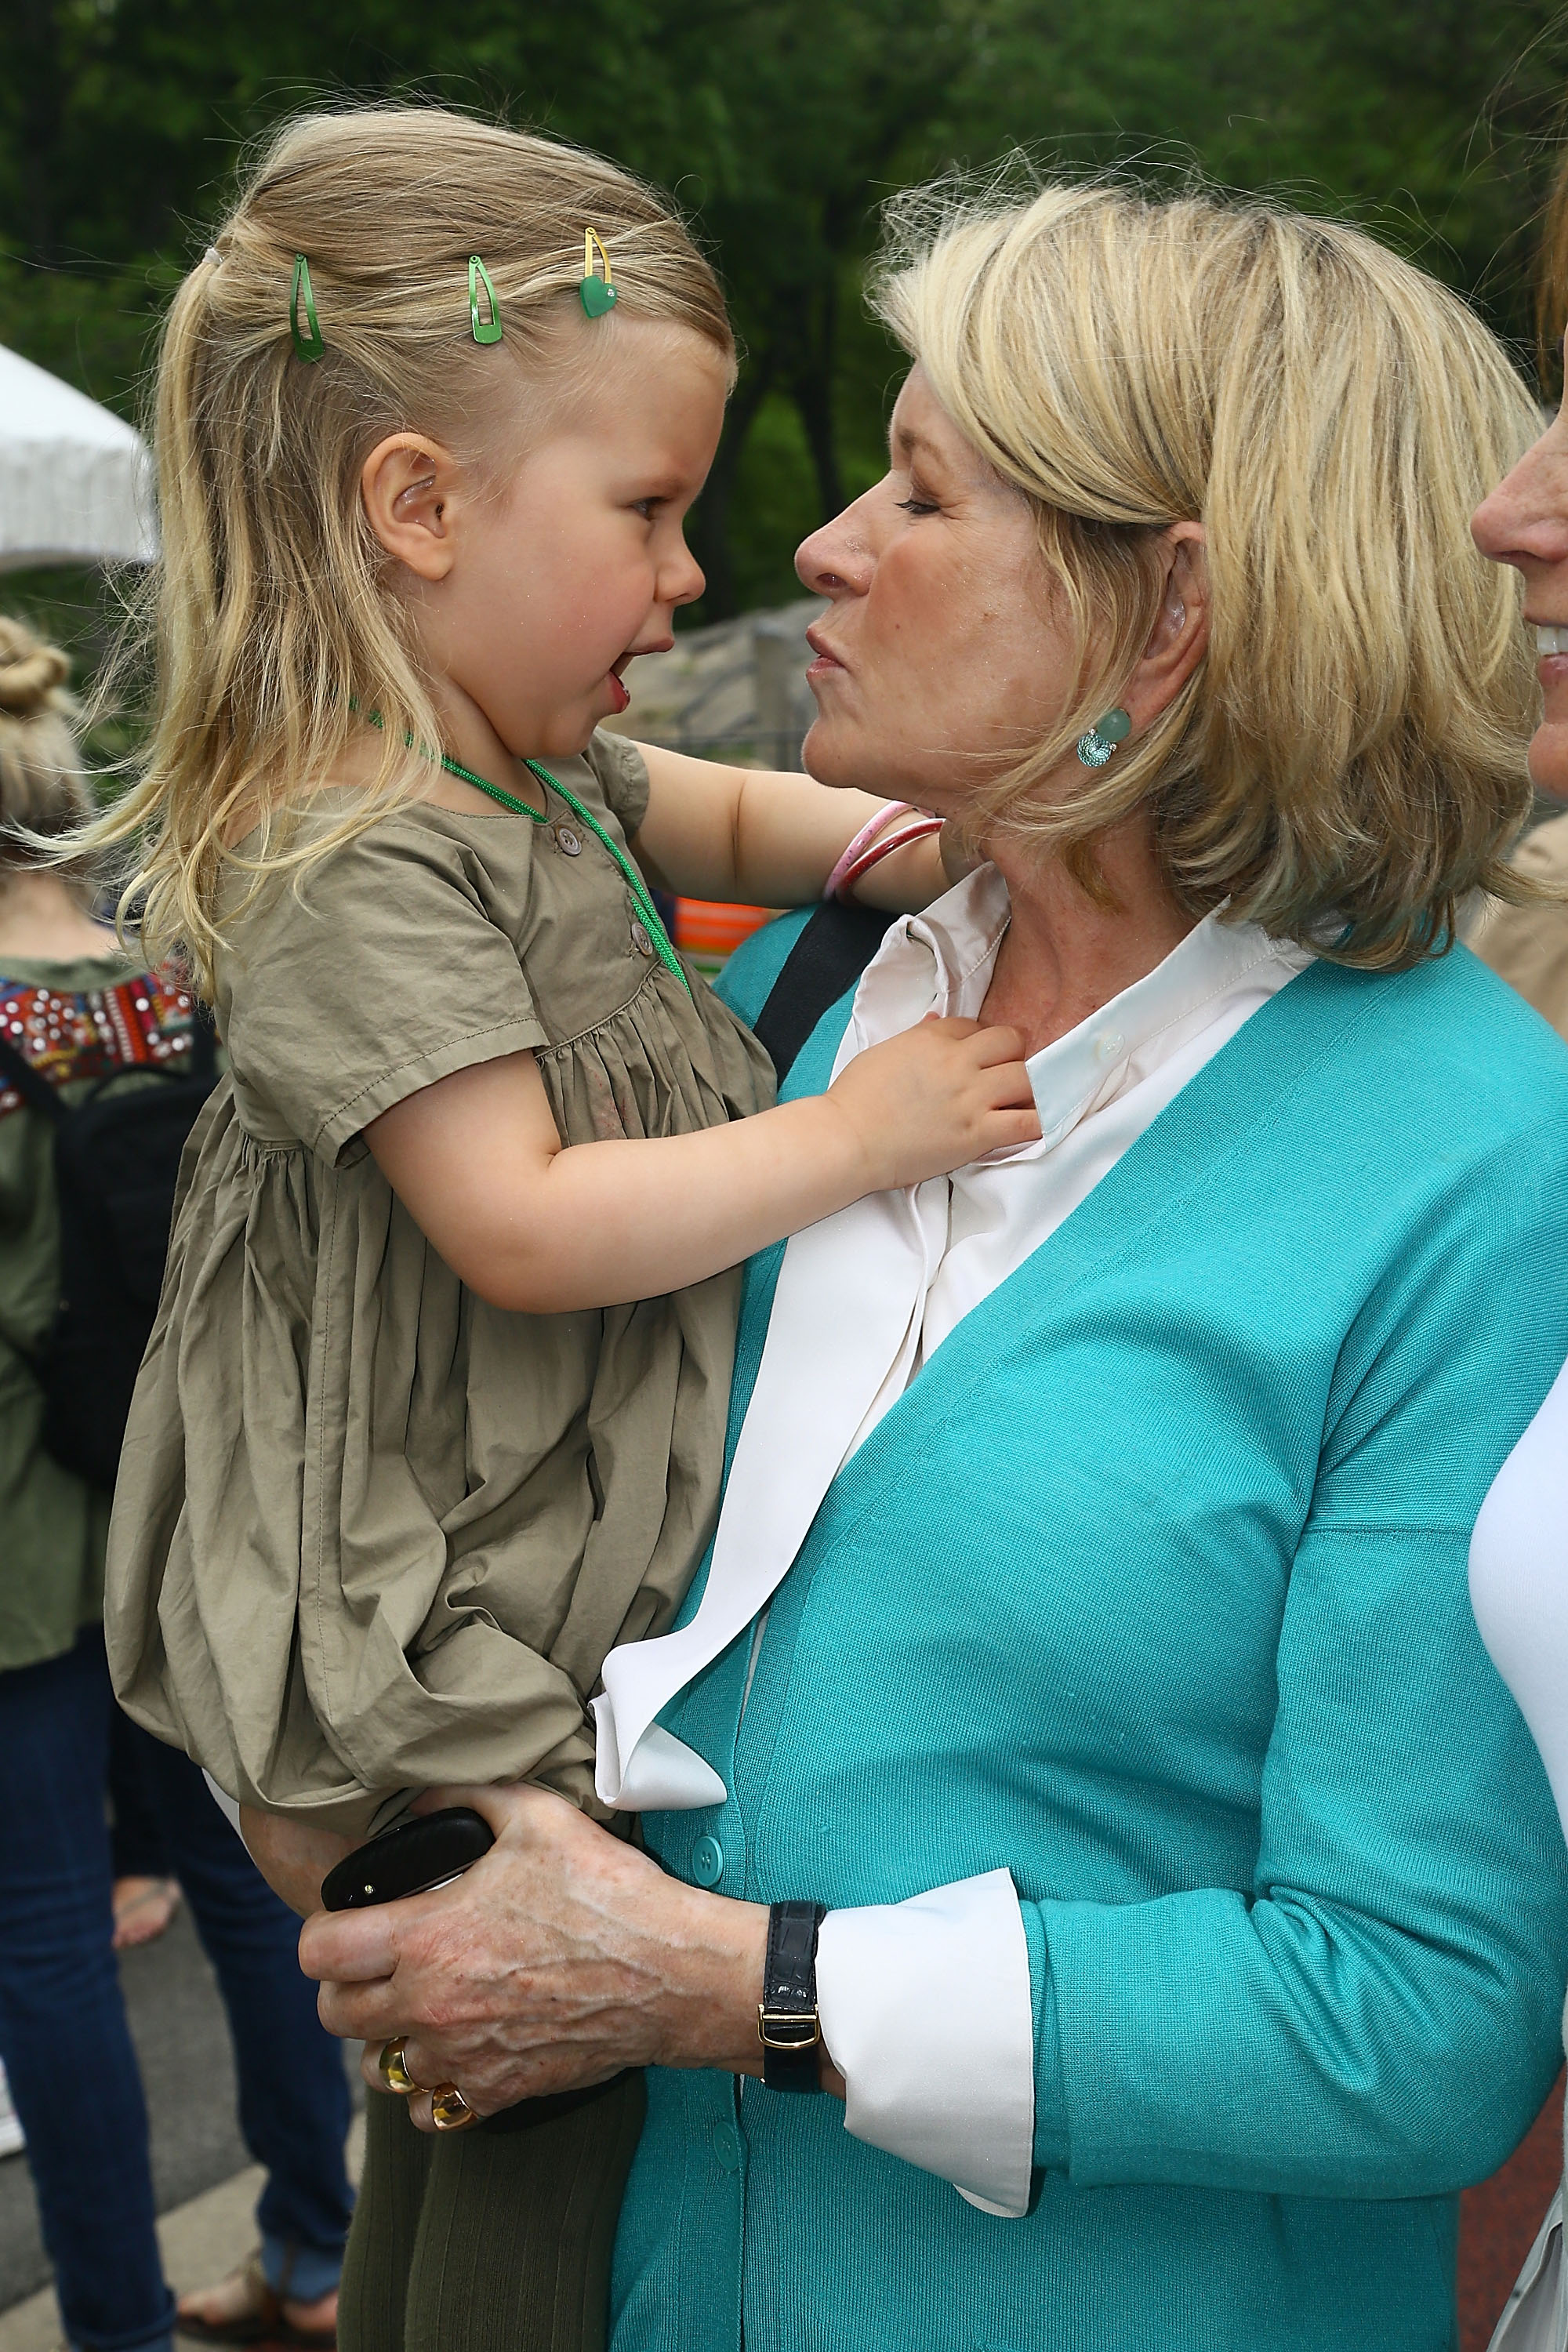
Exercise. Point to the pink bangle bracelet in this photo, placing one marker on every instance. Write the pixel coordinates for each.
(863, 839)
(921, 830)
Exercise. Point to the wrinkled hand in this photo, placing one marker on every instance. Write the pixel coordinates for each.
(936, 1097)
(561, 1957)
(292, 1856)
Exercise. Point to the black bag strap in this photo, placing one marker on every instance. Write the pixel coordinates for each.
(35, 1090)
(832, 951)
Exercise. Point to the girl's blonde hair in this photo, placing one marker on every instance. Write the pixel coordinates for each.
(43, 791)
(269, 614)
(1347, 763)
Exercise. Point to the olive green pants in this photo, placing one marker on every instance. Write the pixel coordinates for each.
(486, 2240)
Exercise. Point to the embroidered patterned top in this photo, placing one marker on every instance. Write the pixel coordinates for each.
(147, 1019)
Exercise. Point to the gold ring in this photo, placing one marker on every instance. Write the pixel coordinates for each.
(393, 2069)
(449, 2111)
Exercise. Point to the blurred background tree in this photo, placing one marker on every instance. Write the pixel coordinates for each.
(780, 127)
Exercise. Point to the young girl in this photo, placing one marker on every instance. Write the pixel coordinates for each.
(433, 1414)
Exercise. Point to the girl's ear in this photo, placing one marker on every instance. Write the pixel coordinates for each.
(406, 485)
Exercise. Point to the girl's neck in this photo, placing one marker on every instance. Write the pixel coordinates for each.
(42, 921)
(1064, 956)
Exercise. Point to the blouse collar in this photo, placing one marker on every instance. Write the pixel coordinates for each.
(942, 961)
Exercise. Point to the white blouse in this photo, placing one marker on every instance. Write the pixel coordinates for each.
(889, 1277)
(1518, 1581)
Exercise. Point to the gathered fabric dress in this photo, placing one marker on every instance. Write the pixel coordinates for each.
(373, 1534)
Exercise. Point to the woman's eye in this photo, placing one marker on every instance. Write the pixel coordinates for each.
(917, 506)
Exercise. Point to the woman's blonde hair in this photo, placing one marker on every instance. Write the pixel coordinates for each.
(1347, 763)
(43, 791)
(269, 614)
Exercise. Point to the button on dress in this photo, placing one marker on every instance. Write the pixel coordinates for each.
(373, 1534)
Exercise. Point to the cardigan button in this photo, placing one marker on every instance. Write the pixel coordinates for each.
(707, 1862)
(727, 2146)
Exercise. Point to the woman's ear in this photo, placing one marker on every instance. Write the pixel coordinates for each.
(1180, 636)
(406, 485)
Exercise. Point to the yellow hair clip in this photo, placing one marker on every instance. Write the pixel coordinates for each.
(598, 293)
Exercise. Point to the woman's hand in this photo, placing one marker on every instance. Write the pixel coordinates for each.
(561, 1958)
(292, 1856)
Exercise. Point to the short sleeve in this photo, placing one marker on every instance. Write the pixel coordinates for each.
(621, 773)
(381, 972)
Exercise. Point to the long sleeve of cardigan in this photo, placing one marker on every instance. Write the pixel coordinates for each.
(1376, 2014)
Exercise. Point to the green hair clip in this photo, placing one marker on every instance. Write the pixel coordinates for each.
(485, 331)
(598, 293)
(306, 346)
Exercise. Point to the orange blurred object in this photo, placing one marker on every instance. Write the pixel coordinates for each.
(709, 932)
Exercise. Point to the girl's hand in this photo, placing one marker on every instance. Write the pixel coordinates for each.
(936, 1098)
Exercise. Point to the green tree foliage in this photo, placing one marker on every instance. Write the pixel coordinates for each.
(779, 126)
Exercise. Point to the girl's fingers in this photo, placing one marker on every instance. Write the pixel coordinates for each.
(995, 1045)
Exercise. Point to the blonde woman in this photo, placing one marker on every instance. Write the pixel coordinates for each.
(1080, 1747)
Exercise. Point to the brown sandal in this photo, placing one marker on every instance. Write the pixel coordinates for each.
(261, 2321)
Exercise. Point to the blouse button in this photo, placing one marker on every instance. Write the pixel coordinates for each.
(707, 1862)
(569, 841)
(640, 940)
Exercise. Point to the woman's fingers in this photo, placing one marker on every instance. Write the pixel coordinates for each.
(348, 1948)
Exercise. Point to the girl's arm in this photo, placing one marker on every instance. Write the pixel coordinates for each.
(477, 1161)
(767, 839)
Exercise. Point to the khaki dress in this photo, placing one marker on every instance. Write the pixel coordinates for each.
(372, 1533)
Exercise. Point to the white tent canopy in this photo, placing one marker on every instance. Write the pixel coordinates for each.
(75, 484)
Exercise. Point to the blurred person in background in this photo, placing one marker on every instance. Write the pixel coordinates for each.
(76, 1010)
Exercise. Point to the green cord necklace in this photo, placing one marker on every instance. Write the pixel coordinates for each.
(647, 910)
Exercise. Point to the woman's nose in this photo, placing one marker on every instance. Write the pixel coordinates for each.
(835, 560)
(1525, 520)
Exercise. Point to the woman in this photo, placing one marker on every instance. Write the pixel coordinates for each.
(74, 1008)
(1518, 1558)
(1086, 1626)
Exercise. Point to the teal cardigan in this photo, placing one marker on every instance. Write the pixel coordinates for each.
(1151, 1587)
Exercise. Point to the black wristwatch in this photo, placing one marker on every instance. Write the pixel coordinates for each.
(788, 2024)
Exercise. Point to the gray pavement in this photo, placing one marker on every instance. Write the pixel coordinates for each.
(182, 2039)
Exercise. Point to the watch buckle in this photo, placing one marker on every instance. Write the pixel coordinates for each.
(803, 2031)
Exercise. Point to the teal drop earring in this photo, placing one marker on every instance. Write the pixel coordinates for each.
(1095, 748)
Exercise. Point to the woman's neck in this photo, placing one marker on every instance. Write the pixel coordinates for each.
(1064, 956)
(42, 920)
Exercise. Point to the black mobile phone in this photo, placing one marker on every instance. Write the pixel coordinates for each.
(429, 1851)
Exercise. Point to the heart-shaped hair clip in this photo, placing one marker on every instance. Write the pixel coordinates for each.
(598, 293)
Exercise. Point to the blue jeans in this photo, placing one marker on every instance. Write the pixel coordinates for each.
(63, 2033)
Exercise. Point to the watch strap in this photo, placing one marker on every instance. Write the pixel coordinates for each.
(788, 2026)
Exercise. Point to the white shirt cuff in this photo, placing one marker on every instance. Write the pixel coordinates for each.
(926, 2010)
